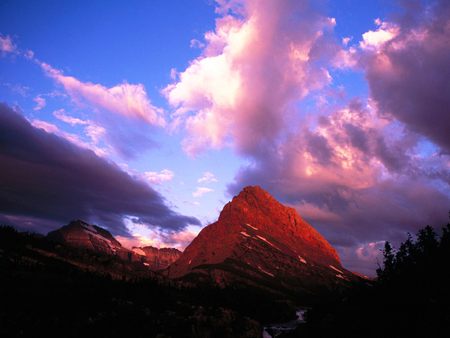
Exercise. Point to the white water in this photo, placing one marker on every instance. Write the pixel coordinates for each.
(277, 329)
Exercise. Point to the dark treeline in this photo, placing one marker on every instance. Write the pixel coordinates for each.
(410, 297)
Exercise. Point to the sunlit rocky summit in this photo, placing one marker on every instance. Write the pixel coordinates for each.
(259, 242)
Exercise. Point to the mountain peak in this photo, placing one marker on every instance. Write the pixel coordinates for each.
(250, 197)
(255, 232)
(84, 235)
(254, 205)
(254, 190)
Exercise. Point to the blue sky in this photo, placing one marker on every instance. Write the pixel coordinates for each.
(160, 47)
(137, 42)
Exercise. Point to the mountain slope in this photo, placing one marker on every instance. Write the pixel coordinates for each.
(257, 241)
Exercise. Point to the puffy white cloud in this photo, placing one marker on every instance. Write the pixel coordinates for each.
(255, 65)
(373, 40)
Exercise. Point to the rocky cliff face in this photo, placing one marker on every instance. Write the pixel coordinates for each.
(259, 241)
(155, 258)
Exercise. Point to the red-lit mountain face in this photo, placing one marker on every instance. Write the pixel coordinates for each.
(258, 241)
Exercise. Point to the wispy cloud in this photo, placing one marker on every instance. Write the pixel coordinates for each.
(130, 100)
(61, 115)
(156, 177)
(71, 137)
(207, 177)
(40, 103)
(200, 191)
(94, 131)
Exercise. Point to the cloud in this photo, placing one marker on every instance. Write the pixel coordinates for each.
(120, 137)
(374, 40)
(155, 177)
(143, 235)
(224, 96)
(52, 181)
(62, 116)
(408, 71)
(74, 138)
(6, 44)
(92, 130)
(126, 99)
(200, 191)
(16, 88)
(207, 177)
(40, 103)
(128, 136)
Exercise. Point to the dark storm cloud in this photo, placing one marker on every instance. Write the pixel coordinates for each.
(409, 77)
(46, 180)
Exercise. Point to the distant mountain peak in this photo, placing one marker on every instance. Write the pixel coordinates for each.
(84, 235)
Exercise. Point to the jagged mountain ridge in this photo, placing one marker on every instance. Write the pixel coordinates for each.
(157, 259)
(80, 234)
(259, 241)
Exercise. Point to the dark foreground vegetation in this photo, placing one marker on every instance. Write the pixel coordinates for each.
(47, 290)
(410, 298)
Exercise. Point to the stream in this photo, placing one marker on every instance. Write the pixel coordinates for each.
(274, 330)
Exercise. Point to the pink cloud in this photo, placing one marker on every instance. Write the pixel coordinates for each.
(207, 177)
(200, 191)
(73, 138)
(62, 116)
(155, 177)
(129, 100)
(374, 40)
(408, 70)
(94, 131)
(145, 235)
(228, 94)
(47, 126)
(7, 45)
(40, 103)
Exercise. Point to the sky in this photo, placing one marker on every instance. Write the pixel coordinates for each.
(146, 117)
